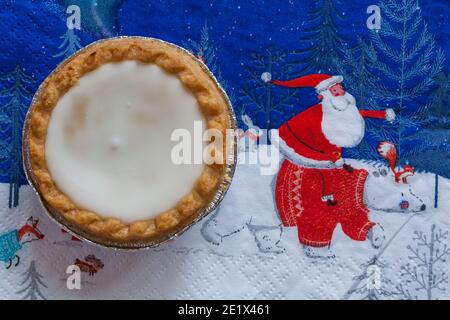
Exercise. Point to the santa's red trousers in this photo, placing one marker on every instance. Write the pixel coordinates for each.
(298, 196)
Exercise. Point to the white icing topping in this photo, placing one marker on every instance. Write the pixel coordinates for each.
(108, 142)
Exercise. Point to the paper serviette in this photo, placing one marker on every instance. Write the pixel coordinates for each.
(376, 225)
(240, 251)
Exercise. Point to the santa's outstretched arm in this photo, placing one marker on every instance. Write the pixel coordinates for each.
(388, 114)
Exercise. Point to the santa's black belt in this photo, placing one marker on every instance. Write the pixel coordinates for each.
(301, 141)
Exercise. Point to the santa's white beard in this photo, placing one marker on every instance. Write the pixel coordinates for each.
(342, 124)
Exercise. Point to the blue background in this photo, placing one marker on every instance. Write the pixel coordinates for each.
(31, 34)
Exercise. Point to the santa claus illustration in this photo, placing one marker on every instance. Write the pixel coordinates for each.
(314, 139)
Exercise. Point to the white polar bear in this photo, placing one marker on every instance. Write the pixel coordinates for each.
(249, 205)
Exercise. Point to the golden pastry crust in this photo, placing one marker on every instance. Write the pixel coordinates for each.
(213, 105)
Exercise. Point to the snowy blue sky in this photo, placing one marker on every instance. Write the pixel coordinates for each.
(242, 27)
(31, 29)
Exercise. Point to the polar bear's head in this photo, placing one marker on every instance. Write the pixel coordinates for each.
(382, 193)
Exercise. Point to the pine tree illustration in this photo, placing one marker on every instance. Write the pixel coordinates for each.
(431, 144)
(374, 285)
(427, 271)
(206, 51)
(408, 62)
(17, 95)
(33, 282)
(69, 45)
(356, 66)
(321, 43)
(257, 98)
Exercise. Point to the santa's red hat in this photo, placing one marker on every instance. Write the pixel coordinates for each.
(320, 82)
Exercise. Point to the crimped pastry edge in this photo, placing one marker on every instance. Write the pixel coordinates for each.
(190, 72)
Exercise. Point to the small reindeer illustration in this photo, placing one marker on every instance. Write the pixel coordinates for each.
(91, 264)
(387, 150)
(12, 241)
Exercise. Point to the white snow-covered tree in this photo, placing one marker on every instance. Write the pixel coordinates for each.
(427, 271)
(33, 283)
(69, 45)
(206, 50)
(373, 285)
(408, 62)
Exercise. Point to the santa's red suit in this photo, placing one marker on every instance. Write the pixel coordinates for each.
(303, 134)
(313, 191)
(298, 198)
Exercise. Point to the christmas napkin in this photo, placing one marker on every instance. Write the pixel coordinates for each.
(374, 225)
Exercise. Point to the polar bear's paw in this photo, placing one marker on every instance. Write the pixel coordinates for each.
(376, 236)
(211, 233)
(267, 238)
(319, 252)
